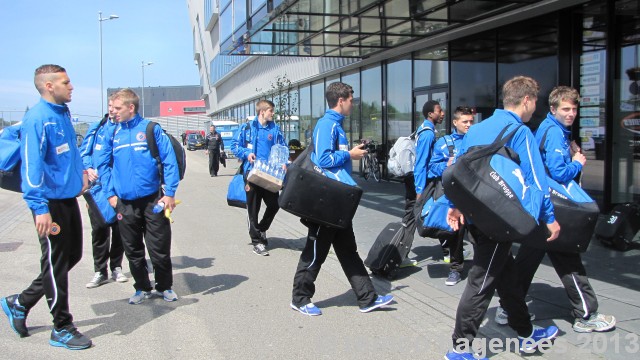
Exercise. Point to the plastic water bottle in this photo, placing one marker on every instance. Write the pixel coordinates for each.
(158, 207)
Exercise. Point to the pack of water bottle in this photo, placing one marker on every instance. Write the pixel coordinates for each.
(270, 174)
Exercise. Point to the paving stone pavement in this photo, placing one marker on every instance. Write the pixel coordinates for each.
(235, 305)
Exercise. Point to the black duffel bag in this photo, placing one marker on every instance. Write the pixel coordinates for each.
(486, 184)
(576, 212)
(312, 196)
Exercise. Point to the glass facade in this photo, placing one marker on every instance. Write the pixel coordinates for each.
(569, 47)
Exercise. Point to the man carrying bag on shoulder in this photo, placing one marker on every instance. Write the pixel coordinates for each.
(332, 155)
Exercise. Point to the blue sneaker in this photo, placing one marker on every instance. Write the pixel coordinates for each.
(381, 301)
(452, 355)
(539, 335)
(69, 338)
(17, 315)
(139, 296)
(309, 309)
(454, 278)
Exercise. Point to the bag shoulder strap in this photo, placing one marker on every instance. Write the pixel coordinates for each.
(448, 139)
(496, 145)
(417, 133)
(153, 147)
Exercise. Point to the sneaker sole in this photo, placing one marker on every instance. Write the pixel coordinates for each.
(293, 307)
(121, 280)
(7, 311)
(261, 254)
(63, 345)
(451, 283)
(376, 306)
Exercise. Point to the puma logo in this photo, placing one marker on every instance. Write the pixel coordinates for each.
(518, 174)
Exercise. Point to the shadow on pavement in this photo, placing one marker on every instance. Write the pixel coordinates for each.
(184, 262)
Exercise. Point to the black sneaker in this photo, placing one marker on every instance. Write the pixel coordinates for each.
(69, 338)
(17, 315)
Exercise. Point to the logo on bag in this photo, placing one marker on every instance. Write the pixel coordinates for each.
(505, 188)
(55, 229)
(518, 174)
(612, 219)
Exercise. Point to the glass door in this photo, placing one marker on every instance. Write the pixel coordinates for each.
(421, 97)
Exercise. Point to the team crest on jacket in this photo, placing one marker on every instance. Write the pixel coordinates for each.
(270, 137)
(55, 229)
(119, 216)
(141, 136)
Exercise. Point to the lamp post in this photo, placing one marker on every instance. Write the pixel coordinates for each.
(143, 65)
(100, 20)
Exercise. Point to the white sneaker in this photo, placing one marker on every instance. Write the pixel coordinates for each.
(168, 295)
(98, 279)
(118, 275)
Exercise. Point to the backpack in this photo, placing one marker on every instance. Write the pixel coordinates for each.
(402, 156)
(181, 156)
(10, 162)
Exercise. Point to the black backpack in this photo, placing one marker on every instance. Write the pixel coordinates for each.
(181, 156)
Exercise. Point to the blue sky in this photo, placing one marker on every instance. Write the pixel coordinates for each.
(65, 32)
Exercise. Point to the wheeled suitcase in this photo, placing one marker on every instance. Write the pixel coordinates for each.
(619, 228)
(390, 248)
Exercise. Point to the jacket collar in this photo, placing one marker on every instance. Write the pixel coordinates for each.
(60, 109)
(132, 122)
(555, 121)
(333, 116)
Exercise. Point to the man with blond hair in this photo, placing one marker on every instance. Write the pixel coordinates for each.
(52, 178)
(253, 142)
(135, 187)
(493, 264)
(564, 161)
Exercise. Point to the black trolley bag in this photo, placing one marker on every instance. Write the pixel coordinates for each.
(486, 184)
(312, 196)
(391, 247)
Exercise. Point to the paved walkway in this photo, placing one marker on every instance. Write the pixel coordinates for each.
(235, 305)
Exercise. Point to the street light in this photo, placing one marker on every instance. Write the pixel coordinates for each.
(100, 20)
(143, 65)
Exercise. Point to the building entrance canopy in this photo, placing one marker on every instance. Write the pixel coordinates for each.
(353, 28)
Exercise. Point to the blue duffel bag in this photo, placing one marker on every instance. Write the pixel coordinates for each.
(236, 194)
(100, 210)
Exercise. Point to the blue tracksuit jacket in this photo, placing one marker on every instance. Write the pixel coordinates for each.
(523, 143)
(94, 144)
(556, 154)
(424, 145)
(134, 174)
(331, 148)
(440, 154)
(255, 138)
(51, 164)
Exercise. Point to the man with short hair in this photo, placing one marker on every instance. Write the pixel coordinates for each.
(105, 238)
(564, 161)
(253, 142)
(433, 115)
(52, 178)
(493, 264)
(452, 245)
(135, 188)
(331, 153)
(213, 144)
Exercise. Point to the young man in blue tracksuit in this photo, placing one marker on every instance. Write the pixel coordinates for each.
(331, 153)
(493, 264)
(253, 142)
(105, 238)
(134, 188)
(563, 161)
(440, 158)
(52, 178)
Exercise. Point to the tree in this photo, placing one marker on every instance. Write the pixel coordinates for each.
(285, 99)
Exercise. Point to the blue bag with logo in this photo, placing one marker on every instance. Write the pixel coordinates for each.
(98, 204)
(236, 194)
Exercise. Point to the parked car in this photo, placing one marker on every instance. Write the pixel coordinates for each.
(195, 142)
